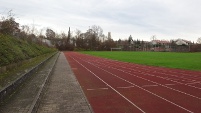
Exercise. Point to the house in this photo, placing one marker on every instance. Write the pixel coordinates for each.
(160, 45)
(181, 45)
(183, 42)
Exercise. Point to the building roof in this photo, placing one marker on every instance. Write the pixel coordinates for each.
(160, 42)
(183, 42)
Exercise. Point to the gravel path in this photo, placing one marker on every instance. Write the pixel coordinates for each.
(63, 93)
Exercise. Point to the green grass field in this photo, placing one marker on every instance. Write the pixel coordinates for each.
(190, 61)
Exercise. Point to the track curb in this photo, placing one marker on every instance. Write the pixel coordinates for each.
(10, 88)
(35, 104)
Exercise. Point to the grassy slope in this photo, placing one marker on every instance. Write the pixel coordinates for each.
(191, 61)
(13, 50)
(7, 77)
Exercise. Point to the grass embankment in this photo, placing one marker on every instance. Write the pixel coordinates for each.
(11, 75)
(190, 61)
(13, 50)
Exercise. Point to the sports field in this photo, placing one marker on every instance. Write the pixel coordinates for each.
(190, 61)
(118, 87)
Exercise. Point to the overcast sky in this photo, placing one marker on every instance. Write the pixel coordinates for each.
(166, 19)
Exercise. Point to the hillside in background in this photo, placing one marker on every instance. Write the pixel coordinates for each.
(13, 50)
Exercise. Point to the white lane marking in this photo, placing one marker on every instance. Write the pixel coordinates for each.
(128, 72)
(103, 88)
(194, 82)
(126, 87)
(170, 79)
(170, 84)
(90, 89)
(143, 88)
(160, 84)
(149, 85)
(110, 87)
(97, 89)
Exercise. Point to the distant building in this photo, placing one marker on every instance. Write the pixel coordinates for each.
(160, 45)
(183, 42)
(47, 42)
(109, 36)
(162, 42)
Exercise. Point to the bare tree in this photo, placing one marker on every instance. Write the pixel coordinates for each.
(26, 29)
(77, 32)
(97, 30)
(130, 39)
(50, 34)
(199, 40)
(8, 25)
(153, 37)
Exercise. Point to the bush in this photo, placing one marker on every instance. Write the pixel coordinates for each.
(196, 48)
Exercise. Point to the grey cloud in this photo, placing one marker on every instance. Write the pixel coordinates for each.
(168, 18)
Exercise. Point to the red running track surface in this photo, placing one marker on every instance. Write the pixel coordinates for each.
(118, 87)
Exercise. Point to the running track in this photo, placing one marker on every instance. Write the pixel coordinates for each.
(118, 87)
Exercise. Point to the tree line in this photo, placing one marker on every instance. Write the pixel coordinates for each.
(91, 40)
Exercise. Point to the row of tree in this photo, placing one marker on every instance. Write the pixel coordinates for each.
(92, 39)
